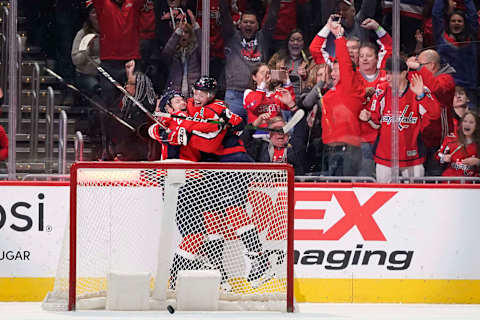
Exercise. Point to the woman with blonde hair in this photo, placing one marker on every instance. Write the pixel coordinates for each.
(317, 84)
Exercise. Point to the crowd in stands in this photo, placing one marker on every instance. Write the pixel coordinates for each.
(329, 59)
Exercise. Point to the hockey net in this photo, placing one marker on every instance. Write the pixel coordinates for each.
(160, 218)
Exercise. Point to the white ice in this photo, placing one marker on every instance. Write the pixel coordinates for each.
(328, 311)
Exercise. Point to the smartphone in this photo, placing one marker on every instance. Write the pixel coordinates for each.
(278, 75)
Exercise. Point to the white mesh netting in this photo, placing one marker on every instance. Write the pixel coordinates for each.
(234, 221)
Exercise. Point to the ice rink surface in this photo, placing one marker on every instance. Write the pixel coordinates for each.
(329, 311)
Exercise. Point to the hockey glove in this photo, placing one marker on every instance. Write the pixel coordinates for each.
(178, 137)
(234, 121)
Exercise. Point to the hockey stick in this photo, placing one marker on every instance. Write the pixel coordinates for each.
(297, 116)
(168, 115)
(90, 100)
(83, 47)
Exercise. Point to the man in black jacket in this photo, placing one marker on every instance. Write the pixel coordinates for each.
(275, 147)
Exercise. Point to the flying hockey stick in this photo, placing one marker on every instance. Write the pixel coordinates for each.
(83, 47)
(90, 100)
(297, 116)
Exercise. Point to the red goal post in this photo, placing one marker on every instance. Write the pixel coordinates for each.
(121, 219)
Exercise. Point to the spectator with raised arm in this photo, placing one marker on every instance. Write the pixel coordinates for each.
(417, 107)
(454, 38)
(438, 78)
(183, 55)
(245, 48)
(371, 63)
(321, 54)
(119, 43)
(127, 145)
(318, 83)
(340, 109)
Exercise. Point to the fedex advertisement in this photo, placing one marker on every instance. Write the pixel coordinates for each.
(352, 243)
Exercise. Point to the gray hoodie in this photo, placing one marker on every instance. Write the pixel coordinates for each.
(243, 56)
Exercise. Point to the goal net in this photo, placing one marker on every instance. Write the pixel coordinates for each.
(160, 219)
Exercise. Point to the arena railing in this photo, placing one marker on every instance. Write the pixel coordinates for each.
(78, 145)
(437, 180)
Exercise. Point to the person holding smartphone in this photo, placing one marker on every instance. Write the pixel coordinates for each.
(270, 91)
(340, 107)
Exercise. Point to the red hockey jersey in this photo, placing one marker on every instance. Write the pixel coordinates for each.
(414, 116)
(174, 125)
(260, 101)
(458, 152)
(367, 133)
(208, 138)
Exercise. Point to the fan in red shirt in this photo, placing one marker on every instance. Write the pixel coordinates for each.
(416, 108)
(268, 93)
(119, 43)
(461, 152)
(439, 79)
(341, 106)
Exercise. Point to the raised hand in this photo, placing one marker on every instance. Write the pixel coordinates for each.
(192, 17)
(286, 98)
(263, 118)
(417, 84)
(130, 67)
(370, 24)
(412, 63)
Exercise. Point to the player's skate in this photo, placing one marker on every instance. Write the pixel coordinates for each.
(259, 268)
(214, 251)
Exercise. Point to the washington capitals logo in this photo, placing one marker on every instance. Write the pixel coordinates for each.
(404, 121)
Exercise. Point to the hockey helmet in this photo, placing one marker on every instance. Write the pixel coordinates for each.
(206, 83)
(167, 97)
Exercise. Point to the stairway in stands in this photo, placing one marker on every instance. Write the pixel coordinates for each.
(29, 160)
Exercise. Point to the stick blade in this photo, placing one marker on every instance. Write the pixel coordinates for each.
(297, 116)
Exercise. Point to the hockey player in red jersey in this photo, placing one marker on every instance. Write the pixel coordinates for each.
(461, 151)
(416, 107)
(205, 225)
(174, 132)
(223, 141)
